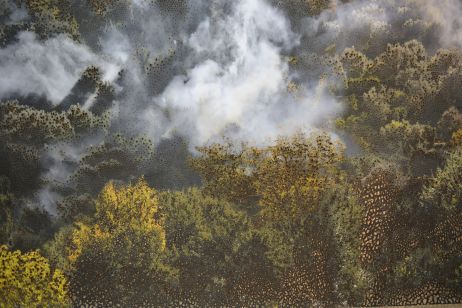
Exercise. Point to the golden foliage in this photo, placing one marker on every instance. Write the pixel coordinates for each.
(131, 206)
(124, 238)
(226, 172)
(292, 175)
(51, 16)
(118, 210)
(100, 7)
(287, 178)
(26, 280)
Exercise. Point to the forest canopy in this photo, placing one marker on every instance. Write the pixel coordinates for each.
(254, 153)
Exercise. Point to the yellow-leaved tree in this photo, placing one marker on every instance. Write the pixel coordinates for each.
(119, 257)
(294, 184)
(26, 280)
(287, 179)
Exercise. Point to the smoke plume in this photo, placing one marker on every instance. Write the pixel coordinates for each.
(205, 70)
(47, 69)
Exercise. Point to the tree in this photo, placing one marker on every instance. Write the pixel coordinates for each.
(6, 211)
(119, 256)
(52, 17)
(27, 133)
(445, 189)
(279, 177)
(216, 250)
(290, 182)
(442, 196)
(27, 280)
(400, 100)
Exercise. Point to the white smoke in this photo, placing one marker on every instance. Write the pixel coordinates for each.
(50, 68)
(238, 87)
(448, 15)
(59, 163)
(375, 23)
(12, 13)
(233, 61)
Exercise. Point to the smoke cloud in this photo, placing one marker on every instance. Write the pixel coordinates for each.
(49, 68)
(229, 75)
(447, 14)
(210, 69)
(237, 86)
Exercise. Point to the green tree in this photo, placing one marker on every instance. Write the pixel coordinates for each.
(398, 101)
(216, 251)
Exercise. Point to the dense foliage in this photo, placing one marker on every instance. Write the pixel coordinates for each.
(366, 213)
(26, 280)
